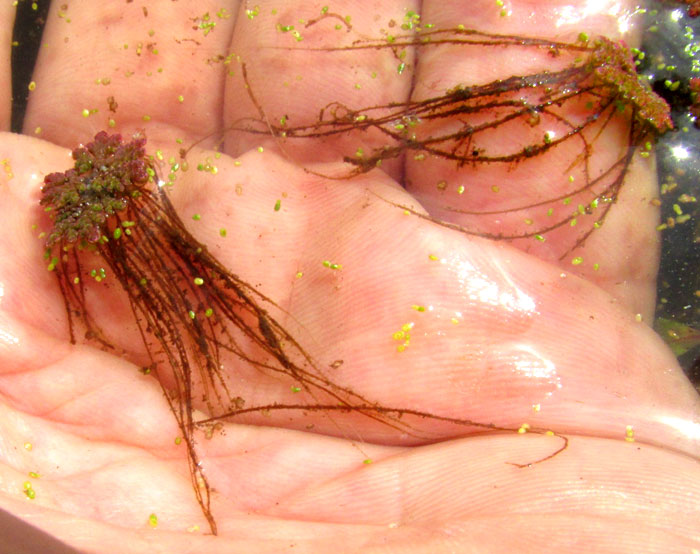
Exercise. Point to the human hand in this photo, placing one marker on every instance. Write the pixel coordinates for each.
(102, 434)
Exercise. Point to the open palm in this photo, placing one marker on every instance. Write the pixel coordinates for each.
(509, 335)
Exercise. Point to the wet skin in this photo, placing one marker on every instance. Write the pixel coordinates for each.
(529, 330)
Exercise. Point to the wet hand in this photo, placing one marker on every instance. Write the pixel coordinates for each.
(506, 335)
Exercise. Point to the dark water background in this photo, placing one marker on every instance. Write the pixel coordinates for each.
(672, 39)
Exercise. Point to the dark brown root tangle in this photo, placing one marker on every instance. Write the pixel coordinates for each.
(190, 310)
(592, 86)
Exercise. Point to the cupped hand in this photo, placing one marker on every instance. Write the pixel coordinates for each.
(509, 334)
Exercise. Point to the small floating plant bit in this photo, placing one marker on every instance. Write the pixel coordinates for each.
(189, 308)
(694, 86)
(693, 7)
(612, 66)
(590, 83)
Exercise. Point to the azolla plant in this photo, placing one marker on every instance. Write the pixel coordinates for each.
(180, 295)
(189, 308)
(591, 84)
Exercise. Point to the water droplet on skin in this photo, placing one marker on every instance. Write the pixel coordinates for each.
(495, 289)
(8, 338)
(527, 373)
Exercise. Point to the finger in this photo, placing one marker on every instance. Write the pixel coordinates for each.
(293, 76)
(28, 160)
(7, 16)
(500, 339)
(159, 63)
(497, 325)
(76, 407)
(272, 482)
(467, 495)
(622, 256)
